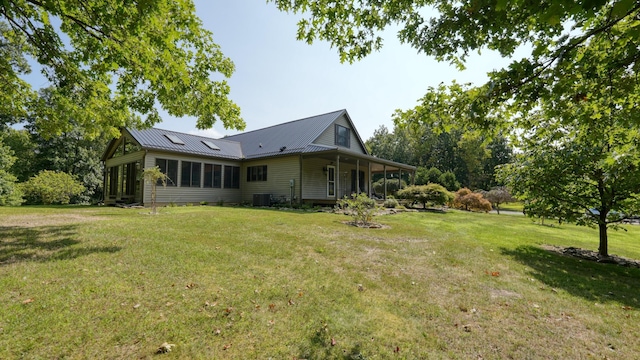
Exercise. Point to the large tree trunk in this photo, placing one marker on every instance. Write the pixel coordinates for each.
(603, 249)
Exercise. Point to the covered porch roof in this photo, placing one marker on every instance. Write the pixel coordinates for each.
(376, 164)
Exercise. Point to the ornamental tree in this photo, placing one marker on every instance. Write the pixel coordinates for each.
(468, 200)
(111, 63)
(434, 194)
(498, 195)
(154, 176)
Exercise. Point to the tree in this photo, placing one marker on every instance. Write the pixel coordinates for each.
(10, 193)
(434, 194)
(52, 187)
(581, 158)
(448, 180)
(425, 176)
(111, 63)
(575, 99)
(450, 31)
(153, 176)
(498, 195)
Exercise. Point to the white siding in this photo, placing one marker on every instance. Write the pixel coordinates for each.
(280, 171)
(328, 136)
(183, 195)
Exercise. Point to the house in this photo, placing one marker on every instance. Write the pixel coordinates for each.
(316, 160)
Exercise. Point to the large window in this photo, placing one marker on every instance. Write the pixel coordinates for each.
(169, 168)
(343, 136)
(212, 176)
(257, 173)
(112, 179)
(190, 174)
(232, 177)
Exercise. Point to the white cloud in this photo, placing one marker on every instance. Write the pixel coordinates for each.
(212, 133)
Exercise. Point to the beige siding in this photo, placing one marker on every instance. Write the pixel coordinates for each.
(280, 171)
(314, 185)
(328, 136)
(124, 159)
(183, 195)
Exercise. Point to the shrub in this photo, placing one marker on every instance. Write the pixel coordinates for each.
(467, 200)
(392, 186)
(52, 187)
(391, 203)
(360, 207)
(434, 194)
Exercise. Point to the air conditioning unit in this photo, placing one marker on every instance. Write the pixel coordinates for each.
(261, 199)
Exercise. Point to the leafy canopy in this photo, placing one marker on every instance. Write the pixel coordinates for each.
(111, 63)
(556, 32)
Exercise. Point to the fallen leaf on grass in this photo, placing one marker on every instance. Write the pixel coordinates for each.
(136, 306)
(333, 342)
(226, 346)
(627, 308)
(190, 286)
(28, 301)
(291, 302)
(272, 306)
(217, 331)
(397, 349)
(165, 348)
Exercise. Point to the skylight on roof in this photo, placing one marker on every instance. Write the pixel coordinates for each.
(210, 145)
(174, 139)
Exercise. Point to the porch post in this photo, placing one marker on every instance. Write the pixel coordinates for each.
(357, 176)
(384, 183)
(337, 178)
(369, 180)
(399, 179)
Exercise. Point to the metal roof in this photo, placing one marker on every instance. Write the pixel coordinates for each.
(159, 139)
(294, 137)
(290, 137)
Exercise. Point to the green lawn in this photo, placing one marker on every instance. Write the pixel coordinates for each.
(223, 282)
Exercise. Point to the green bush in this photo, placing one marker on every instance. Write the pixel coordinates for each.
(391, 203)
(434, 194)
(392, 186)
(360, 207)
(52, 187)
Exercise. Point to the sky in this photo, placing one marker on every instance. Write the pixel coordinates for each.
(280, 79)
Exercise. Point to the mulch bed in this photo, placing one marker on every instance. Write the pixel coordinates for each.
(592, 256)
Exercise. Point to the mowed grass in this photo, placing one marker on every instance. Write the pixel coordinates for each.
(242, 283)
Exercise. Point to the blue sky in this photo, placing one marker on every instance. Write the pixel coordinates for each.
(279, 79)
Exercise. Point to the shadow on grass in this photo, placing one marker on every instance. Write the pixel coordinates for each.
(592, 281)
(44, 243)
